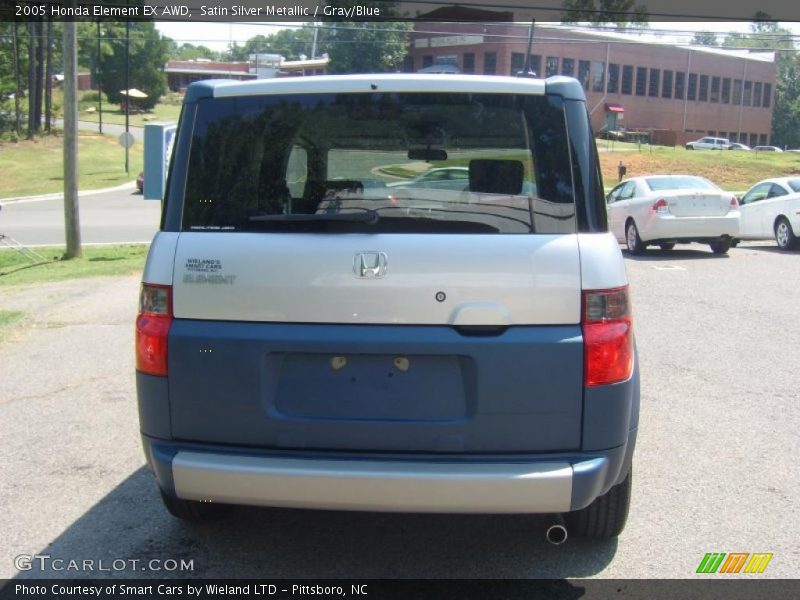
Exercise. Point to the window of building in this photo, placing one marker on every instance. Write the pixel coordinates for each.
(691, 92)
(613, 79)
(680, 85)
(469, 62)
(627, 79)
(408, 64)
(767, 95)
(666, 85)
(723, 134)
(551, 66)
(641, 81)
(742, 138)
(598, 75)
(427, 60)
(652, 89)
(568, 66)
(703, 95)
(726, 90)
(737, 91)
(536, 64)
(583, 73)
(489, 63)
(757, 93)
(753, 139)
(762, 139)
(748, 93)
(517, 62)
(715, 89)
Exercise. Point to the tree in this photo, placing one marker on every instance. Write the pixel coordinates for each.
(765, 35)
(621, 13)
(188, 51)
(705, 38)
(148, 55)
(365, 46)
(289, 43)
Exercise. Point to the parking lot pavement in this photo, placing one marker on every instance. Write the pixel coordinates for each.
(715, 468)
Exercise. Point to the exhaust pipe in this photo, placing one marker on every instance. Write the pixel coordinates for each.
(556, 534)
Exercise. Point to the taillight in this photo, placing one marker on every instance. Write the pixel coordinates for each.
(152, 328)
(607, 336)
(660, 206)
(734, 203)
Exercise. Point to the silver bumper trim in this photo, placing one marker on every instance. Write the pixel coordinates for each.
(444, 487)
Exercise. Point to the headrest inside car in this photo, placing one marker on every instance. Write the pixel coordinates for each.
(496, 176)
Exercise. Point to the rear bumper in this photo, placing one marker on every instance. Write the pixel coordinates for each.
(531, 484)
(690, 228)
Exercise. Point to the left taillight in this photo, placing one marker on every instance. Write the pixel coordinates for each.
(607, 336)
(152, 328)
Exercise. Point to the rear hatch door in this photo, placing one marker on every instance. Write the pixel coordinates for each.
(384, 342)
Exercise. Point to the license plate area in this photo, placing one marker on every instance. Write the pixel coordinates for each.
(372, 386)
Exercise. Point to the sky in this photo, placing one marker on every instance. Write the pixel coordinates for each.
(218, 36)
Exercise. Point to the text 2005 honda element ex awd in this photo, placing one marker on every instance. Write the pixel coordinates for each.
(388, 293)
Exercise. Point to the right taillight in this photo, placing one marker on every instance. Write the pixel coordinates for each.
(607, 336)
(152, 328)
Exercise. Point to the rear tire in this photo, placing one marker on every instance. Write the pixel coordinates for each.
(604, 518)
(633, 242)
(721, 246)
(784, 236)
(191, 510)
(667, 246)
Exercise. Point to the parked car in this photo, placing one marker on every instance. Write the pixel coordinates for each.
(738, 146)
(771, 209)
(667, 209)
(443, 178)
(436, 352)
(767, 149)
(708, 143)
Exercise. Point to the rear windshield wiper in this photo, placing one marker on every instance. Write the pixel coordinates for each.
(370, 217)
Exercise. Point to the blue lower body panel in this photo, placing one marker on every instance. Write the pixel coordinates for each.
(376, 388)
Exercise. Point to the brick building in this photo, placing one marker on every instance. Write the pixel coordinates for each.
(675, 93)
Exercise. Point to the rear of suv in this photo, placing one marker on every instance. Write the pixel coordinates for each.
(320, 329)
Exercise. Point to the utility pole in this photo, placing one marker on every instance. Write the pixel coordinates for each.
(127, 92)
(71, 218)
(99, 85)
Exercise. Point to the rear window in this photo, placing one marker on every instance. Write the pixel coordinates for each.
(658, 184)
(794, 184)
(380, 162)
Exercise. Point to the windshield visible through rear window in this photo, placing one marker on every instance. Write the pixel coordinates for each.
(380, 162)
(658, 184)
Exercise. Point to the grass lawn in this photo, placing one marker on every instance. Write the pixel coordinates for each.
(732, 170)
(97, 261)
(113, 114)
(36, 166)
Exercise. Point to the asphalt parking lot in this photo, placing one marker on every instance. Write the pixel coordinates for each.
(715, 468)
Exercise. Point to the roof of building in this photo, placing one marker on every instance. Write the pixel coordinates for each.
(766, 56)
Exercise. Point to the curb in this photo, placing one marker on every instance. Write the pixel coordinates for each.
(130, 185)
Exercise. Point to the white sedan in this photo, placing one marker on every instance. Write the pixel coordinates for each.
(771, 209)
(667, 209)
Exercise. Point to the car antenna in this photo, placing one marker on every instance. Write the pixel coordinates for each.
(526, 69)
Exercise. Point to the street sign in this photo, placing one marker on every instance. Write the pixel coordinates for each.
(126, 139)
